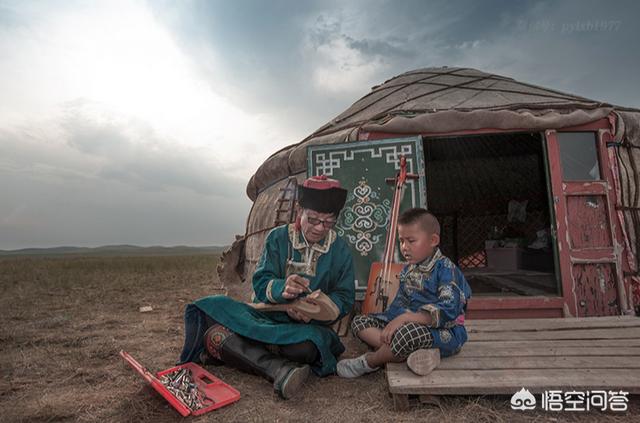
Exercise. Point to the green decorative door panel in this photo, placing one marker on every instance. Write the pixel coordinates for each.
(362, 168)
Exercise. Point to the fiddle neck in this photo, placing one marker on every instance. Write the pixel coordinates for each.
(390, 246)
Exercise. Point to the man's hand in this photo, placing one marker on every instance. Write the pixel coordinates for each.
(294, 286)
(295, 315)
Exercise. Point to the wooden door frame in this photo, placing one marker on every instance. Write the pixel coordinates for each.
(561, 191)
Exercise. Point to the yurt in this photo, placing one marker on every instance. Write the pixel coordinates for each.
(537, 191)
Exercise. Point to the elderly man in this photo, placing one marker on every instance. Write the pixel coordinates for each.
(297, 258)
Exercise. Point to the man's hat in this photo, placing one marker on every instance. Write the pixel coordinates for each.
(322, 194)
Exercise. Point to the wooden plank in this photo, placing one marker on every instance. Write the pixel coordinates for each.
(554, 362)
(551, 324)
(624, 333)
(502, 356)
(562, 319)
(634, 342)
(488, 351)
(474, 382)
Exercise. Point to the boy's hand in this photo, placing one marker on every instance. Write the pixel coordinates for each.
(387, 333)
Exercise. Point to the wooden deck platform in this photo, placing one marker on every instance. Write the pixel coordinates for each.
(503, 356)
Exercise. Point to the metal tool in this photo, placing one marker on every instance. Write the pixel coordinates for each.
(181, 384)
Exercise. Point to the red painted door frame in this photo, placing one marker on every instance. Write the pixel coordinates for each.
(570, 255)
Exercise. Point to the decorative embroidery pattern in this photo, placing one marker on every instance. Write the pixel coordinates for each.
(268, 292)
(417, 274)
(445, 293)
(445, 335)
(427, 266)
(434, 312)
(327, 162)
(214, 339)
(361, 218)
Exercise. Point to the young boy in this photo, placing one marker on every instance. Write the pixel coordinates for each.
(426, 318)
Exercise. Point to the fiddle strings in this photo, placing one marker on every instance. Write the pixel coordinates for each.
(390, 244)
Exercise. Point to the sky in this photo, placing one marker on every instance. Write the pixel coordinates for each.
(141, 122)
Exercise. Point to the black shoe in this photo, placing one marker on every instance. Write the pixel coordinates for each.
(253, 357)
(291, 382)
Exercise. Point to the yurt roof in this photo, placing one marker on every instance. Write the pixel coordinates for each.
(438, 100)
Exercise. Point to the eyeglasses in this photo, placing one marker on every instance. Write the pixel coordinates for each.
(328, 224)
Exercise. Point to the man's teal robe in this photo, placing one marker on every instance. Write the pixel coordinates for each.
(329, 267)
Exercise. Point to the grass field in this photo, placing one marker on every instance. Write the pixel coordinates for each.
(65, 319)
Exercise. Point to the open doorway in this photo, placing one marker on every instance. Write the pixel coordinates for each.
(491, 195)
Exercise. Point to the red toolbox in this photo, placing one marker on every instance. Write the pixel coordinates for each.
(216, 393)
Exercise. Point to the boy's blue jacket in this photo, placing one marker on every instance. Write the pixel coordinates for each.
(436, 286)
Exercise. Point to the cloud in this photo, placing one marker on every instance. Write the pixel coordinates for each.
(90, 180)
(135, 121)
(106, 130)
(537, 46)
(308, 65)
(132, 152)
(119, 56)
(342, 64)
(88, 141)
